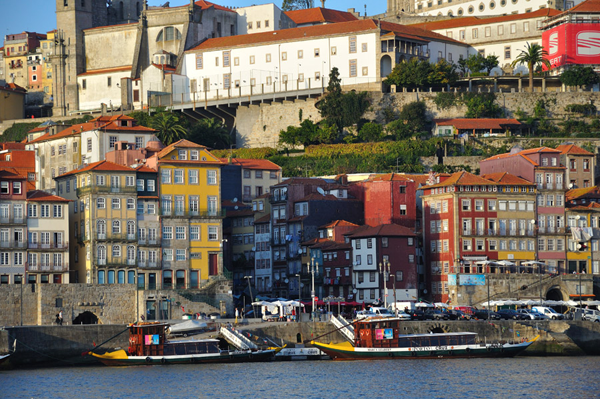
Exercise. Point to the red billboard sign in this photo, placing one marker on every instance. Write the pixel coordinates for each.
(572, 43)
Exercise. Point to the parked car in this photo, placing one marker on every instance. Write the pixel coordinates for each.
(541, 315)
(508, 314)
(434, 314)
(590, 315)
(416, 314)
(454, 314)
(404, 316)
(551, 313)
(374, 312)
(482, 314)
(529, 315)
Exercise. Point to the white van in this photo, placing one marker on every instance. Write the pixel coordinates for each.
(551, 313)
(401, 306)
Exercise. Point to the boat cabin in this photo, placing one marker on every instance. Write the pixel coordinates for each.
(385, 333)
(147, 339)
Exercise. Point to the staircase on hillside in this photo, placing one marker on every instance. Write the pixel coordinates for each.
(236, 339)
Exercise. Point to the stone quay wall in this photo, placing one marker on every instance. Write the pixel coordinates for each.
(38, 304)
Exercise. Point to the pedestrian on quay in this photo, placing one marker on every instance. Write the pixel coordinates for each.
(237, 314)
(60, 318)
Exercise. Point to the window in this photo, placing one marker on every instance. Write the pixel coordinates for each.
(130, 203)
(178, 176)
(526, 26)
(167, 233)
(109, 81)
(199, 61)
(116, 203)
(213, 233)
(353, 68)
(507, 52)
(180, 233)
(193, 176)
(116, 226)
(151, 185)
(466, 205)
(140, 184)
(101, 203)
(194, 233)
(212, 177)
(352, 44)
(333, 50)
(317, 52)
(513, 28)
(268, 58)
(300, 54)
(226, 60)
(180, 254)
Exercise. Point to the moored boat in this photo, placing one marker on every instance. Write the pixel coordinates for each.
(4, 358)
(380, 339)
(148, 345)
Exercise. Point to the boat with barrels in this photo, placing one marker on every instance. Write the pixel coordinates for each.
(148, 344)
(380, 338)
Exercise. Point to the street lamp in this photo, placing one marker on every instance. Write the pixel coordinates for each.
(384, 270)
(313, 268)
(251, 297)
(395, 301)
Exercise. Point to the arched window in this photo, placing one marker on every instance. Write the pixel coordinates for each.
(131, 277)
(130, 227)
(122, 10)
(130, 254)
(121, 277)
(116, 226)
(101, 255)
(101, 226)
(111, 277)
(168, 33)
(101, 275)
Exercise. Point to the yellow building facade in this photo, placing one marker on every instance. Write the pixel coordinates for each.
(191, 217)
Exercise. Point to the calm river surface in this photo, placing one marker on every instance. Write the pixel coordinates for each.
(521, 377)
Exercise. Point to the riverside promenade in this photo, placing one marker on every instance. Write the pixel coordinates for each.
(51, 346)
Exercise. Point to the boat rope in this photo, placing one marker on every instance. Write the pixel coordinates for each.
(330, 332)
(108, 340)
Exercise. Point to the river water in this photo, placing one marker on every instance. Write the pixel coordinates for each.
(521, 377)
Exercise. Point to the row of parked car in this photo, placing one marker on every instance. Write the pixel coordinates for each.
(535, 313)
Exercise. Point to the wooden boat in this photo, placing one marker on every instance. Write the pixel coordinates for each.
(381, 339)
(4, 358)
(148, 345)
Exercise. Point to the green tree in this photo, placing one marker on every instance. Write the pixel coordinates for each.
(211, 133)
(411, 121)
(414, 73)
(342, 109)
(371, 132)
(532, 56)
(306, 134)
(291, 5)
(578, 75)
(482, 105)
(169, 126)
(443, 72)
(475, 62)
(326, 133)
(141, 118)
(462, 66)
(490, 62)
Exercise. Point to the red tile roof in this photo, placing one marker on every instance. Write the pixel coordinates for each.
(506, 178)
(589, 6)
(463, 179)
(42, 196)
(478, 123)
(338, 223)
(319, 15)
(11, 174)
(572, 149)
(391, 177)
(101, 166)
(576, 193)
(124, 68)
(145, 169)
(384, 230)
(302, 33)
(207, 4)
(70, 131)
(473, 21)
(264, 219)
(260, 164)
(523, 154)
(183, 143)
(320, 197)
(13, 87)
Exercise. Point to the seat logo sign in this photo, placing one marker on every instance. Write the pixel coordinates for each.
(588, 43)
(553, 42)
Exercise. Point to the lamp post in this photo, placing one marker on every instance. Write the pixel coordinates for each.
(339, 301)
(251, 297)
(384, 270)
(313, 268)
(580, 289)
(299, 303)
(395, 301)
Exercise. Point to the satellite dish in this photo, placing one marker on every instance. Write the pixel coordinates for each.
(355, 290)
(287, 281)
(320, 191)
(234, 200)
(253, 248)
(299, 251)
(236, 207)
(571, 185)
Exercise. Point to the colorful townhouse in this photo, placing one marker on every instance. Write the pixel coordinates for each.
(13, 227)
(580, 166)
(241, 241)
(15, 157)
(190, 213)
(149, 253)
(103, 222)
(263, 259)
(246, 179)
(471, 219)
(583, 234)
(47, 238)
(384, 263)
(541, 166)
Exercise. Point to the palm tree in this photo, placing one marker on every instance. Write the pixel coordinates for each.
(169, 126)
(211, 133)
(532, 56)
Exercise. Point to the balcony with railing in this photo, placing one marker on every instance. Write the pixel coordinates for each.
(149, 243)
(13, 244)
(106, 190)
(60, 246)
(48, 267)
(116, 236)
(115, 262)
(149, 265)
(12, 220)
(185, 213)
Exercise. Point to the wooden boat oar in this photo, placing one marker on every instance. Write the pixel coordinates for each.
(85, 353)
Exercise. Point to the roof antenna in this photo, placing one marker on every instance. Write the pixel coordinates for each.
(365, 11)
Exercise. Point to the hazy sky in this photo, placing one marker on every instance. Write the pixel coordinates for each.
(39, 15)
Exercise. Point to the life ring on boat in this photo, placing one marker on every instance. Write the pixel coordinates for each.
(148, 360)
(163, 360)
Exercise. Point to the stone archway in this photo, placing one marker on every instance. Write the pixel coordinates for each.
(555, 294)
(385, 66)
(86, 318)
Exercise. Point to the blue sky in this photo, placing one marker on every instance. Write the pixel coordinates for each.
(39, 15)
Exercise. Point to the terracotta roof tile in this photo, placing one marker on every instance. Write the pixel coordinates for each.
(11, 174)
(474, 21)
(42, 196)
(482, 123)
(264, 219)
(463, 179)
(319, 15)
(183, 143)
(589, 6)
(101, 166)
(261, 164)
(145, 169)
(338, 223)
(383, 231)
(572, 149)
(124, 68)
(507, 179)
(576, 193)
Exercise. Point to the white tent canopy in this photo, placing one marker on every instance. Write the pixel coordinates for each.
(531, 302)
